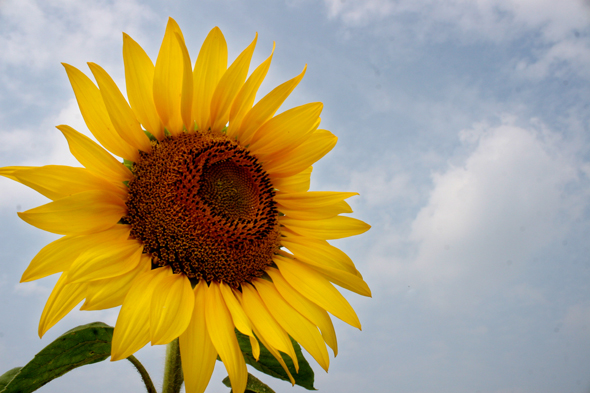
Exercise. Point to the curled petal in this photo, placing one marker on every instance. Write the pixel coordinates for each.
(62, 300)
(265, 323)
(307, 308)
(316, 288)
(298, 327)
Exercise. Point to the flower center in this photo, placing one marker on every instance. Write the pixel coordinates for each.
(203, 205)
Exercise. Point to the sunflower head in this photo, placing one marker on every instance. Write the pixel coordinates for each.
(208, 224)
(203, 205)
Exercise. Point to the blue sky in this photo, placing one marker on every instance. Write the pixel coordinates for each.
(463, 125)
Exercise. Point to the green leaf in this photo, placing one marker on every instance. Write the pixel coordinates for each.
(8, 376)
(82, 345)
(269, 365)
(254, 385)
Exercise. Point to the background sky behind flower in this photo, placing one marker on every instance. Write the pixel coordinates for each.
(464, 126)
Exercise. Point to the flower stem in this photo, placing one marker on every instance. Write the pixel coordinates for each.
(173, 377)
(149, 385)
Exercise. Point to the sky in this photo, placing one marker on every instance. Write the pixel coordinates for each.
(463, 125)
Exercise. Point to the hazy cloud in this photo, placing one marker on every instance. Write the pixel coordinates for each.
(487, 215)
(559, 31)
(33, 32)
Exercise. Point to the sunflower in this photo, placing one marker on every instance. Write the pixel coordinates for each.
(208, 225)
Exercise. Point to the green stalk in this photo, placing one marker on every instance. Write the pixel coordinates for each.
(149, 385)
(173, 377)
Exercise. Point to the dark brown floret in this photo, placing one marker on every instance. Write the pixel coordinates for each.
(203, 205)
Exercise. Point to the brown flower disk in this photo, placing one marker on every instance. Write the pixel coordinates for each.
(203, 205)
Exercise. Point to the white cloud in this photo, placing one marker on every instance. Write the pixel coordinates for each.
(556, 19)
(559, 29)
(35, 33)
(488, 215)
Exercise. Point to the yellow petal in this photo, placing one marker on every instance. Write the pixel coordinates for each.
(350, 281)
(296, 183)
(96, 116)
(317, 315)
(316, 288)
(330, 228)
(297, 326)
(241, 321)
(305, 200)
(57, 181)
(228, 87)
(119, 110)
(266, 108)
(186, 102)
(94, 157)
(106, 260)
(58, 256)
(313, 205)
(286, 131)
(111, 292)
(171, 310)
(196, 349)
(314, 251)
(139, 77)
(276, 354)
(210, 66)
(221, 330)
(245, 97)
(82, 213)
(264, 322)
(132, 331)
(168, 79)
(62, 300)
(316, 213)
(301, 157)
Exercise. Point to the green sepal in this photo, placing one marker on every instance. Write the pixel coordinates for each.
(8, 376)
(82, 345)
(149, 135)
(267, 363)
(128, 164)
(254, 385)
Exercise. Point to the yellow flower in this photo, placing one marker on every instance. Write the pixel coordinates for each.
(191, 236)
